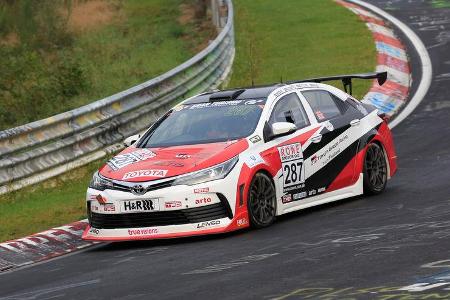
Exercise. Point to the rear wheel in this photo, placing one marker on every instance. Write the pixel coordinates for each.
(261, 201)
(375, 170)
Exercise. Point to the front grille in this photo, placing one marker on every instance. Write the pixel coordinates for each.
(158, 218)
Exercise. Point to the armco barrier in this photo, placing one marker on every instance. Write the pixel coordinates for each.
(45, 148)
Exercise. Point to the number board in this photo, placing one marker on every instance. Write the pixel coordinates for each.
(292, 166)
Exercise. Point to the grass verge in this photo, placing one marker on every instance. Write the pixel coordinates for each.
(299, 39)
(104, 47)
(291, 39)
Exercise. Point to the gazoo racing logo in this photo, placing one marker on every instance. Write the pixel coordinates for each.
(144, 173)
(208, 224)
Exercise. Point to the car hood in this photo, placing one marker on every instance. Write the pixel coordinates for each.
(145, 164)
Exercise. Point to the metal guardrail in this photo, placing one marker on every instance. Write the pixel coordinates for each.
(39, 150)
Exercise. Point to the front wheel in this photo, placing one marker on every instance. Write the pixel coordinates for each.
(375, 170)
(261, 201)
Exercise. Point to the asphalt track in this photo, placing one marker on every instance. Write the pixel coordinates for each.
(362, 248)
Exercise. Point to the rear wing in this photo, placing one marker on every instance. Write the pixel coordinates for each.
(381, 77)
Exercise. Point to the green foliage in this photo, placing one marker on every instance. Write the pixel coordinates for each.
(299, 39)
(50, 69)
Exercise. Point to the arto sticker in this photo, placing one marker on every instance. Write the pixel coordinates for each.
(291, 157)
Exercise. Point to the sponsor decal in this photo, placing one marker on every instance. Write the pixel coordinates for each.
(201, 190)
(291, 157)
(253, 102)
(253, 160)
(208, 224)
(312, 192)
(242, 222)
(101, 199)
(290, 152)
(178, 108)
(169, 164)
(299, 196)
(320, 190)
(255, 139)
(139, 205)
(144, 173)
(182, 156)
(330, 152)
(94, 231)
(172, 204)
(109, 207)
(286, 198)
(203, 200)
(216, 104)
(143, 231)
(126, 159)
(294, 87)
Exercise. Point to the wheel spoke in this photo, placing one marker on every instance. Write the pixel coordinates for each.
(262, 200)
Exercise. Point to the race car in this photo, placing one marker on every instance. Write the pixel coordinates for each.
(226, 160)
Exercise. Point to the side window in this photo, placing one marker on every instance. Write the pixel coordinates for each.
(289, 109)
(325, 105)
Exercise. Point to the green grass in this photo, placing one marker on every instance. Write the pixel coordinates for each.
(294, 39)
(144, 40)
(148, 44)
(52, 203)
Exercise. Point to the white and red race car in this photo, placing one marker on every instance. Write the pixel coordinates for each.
(226, 160)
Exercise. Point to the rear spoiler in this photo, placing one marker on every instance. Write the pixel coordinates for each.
(381, 77)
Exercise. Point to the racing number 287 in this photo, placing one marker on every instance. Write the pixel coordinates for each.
(292, 172)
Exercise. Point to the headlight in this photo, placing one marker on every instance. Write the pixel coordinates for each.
(100, 183)
(212, 173)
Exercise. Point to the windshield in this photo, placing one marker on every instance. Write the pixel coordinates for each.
(205, 123)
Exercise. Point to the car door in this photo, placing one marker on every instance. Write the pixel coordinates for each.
(330, 162)
(286, 151)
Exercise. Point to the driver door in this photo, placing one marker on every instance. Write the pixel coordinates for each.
(286, 152)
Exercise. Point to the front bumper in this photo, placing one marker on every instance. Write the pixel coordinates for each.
(182, 211)
(163, 232)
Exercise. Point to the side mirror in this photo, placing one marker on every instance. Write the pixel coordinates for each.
(131, 140)
(281, 129)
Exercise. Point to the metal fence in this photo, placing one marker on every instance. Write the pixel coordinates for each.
(39, 150)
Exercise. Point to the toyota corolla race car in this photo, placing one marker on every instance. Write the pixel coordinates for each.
(226, 160)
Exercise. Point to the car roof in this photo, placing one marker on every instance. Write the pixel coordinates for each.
(261, 92)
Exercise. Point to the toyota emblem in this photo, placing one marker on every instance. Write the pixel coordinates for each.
(138, 190)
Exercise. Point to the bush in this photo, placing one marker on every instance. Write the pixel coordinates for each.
(39, 72)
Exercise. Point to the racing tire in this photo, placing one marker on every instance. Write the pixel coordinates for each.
(261, 202)
(375, 170)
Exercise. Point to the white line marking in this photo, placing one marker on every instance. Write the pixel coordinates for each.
(427, 71)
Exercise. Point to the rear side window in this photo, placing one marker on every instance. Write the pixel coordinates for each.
(324, 105)
(289, 109)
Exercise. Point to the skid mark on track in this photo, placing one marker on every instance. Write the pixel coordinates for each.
(232, 264)
(36, 294)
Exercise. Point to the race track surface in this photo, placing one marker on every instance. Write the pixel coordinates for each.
(362, 248)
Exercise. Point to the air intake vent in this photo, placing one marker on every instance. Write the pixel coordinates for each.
(225, 95)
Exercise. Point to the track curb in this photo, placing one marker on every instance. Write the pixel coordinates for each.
(391, 57)
(43, 246)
